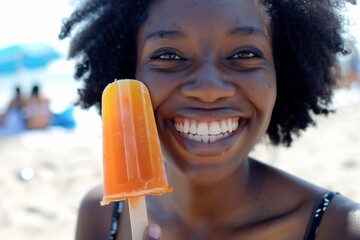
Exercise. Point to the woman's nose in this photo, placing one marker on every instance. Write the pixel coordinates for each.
(207, 85)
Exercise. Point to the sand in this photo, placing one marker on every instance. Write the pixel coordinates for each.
(67, 163)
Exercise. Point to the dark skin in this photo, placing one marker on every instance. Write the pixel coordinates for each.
(217, 68)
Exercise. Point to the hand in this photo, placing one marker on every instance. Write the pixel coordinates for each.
(152, 232)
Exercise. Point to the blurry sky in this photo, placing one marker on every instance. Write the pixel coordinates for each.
(32, 21)
(354, 13)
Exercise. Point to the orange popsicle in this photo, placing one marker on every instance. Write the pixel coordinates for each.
(132, 160)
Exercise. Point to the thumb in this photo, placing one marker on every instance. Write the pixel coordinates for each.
(152, 232)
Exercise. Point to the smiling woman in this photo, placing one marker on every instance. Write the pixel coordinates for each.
(231, 73)
(222, 75)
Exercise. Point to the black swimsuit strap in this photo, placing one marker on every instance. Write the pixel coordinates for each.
(318, 211)
(118, 206)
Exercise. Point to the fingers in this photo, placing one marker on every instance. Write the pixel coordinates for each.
(152, 232)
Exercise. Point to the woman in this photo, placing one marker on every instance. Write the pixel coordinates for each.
(12, 120)
(263, 67)
(37, 110)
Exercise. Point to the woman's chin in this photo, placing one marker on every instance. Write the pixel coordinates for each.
(203, 174)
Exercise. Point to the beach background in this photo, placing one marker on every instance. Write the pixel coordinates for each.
(44, 174)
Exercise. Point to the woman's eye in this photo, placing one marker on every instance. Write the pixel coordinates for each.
(168, 56)
(246, 54)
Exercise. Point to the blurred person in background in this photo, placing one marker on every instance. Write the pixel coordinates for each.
(354, 72)
(12, 120)
(350, 69)
(36, 110)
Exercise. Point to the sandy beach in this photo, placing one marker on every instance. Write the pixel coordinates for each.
(66, 164)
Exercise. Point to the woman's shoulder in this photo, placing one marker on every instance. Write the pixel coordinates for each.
(93, 220)
(341, 219)
(91, 201)
(287, 182)
(93, 195)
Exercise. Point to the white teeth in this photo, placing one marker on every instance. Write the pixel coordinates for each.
(212, 139)
(181, 127)
(223, 126)
(214, 128)
(206, 132)
(205, 138)
(197, 138)
(203, 129)
(229, 125)
(193, 128)
(186, 128)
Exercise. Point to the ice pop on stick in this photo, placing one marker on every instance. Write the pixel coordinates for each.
(132, 160)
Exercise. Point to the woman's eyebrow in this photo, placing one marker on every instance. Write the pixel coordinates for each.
(242, 30)
(165, 34)
(247, 30)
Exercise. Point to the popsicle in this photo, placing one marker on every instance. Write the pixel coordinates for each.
(132, 160)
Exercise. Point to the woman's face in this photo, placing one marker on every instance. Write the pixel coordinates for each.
(209, 67)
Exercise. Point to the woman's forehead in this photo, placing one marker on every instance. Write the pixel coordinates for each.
(171, 14)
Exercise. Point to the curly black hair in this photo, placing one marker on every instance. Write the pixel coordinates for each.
(307, 36)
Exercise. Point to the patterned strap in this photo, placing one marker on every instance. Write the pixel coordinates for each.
(118, 207)
(319, 209)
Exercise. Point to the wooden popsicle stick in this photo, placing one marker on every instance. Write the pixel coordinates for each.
(138, 217)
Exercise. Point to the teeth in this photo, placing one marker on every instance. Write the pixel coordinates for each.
(205, 138)
(212, 139)
(223, 126)
(214, 128)
(190, 136)
(206, 132)
(186, 126)
(229, 125)
(180, 127)
(202, 129)
(197, 138)
(193, 128)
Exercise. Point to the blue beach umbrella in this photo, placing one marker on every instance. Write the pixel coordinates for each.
(20, 57)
